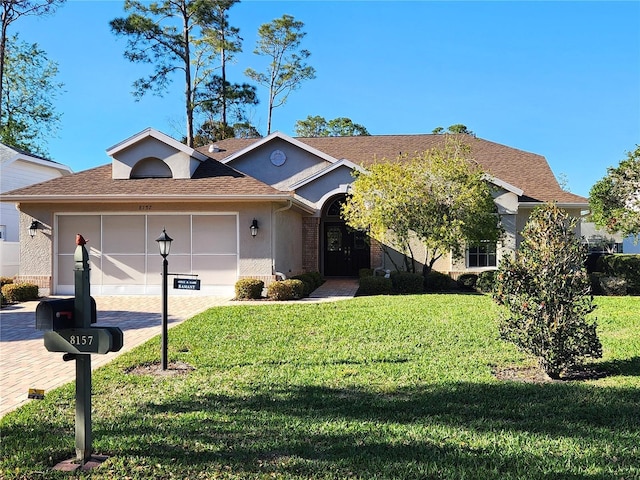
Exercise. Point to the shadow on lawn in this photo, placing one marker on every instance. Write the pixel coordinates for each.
(629, 367)
(412, 433)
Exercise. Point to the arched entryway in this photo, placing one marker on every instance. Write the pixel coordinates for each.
(344, 250)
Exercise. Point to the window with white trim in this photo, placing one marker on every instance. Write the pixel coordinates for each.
(482, 254)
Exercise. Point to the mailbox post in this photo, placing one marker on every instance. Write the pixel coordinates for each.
(82, 314)
(67, 328)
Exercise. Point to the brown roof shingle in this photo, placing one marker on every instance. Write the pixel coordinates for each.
(211, 179)
(528, 171)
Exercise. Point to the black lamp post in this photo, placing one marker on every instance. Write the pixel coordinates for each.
(164, 244)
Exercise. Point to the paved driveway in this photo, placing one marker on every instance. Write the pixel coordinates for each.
(25, 363)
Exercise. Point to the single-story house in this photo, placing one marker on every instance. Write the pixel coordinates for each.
(18, 169)
(208, 199)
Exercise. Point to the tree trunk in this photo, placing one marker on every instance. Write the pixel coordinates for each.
(188, 92)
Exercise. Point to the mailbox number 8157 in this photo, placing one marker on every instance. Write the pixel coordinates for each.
(81, 339)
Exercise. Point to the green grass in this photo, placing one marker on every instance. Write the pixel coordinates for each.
(370, 388)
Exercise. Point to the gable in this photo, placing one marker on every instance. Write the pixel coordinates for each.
(152, 154)
(279, 163)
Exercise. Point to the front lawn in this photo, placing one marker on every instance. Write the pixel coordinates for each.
(374, 388)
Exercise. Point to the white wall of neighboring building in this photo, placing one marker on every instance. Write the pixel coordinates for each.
(17, 170)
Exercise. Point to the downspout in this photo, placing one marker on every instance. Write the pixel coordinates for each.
(273, 240)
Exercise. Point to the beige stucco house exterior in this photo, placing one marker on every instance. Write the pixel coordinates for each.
(208, 198)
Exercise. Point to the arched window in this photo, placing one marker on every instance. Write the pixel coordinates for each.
(151, 168)
(335, 207)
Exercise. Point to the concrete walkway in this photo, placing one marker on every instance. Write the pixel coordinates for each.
(25, 363)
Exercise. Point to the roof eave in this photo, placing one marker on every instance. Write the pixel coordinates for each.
(559, 204)
(160, 198)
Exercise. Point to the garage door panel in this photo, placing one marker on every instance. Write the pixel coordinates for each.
(123, 234)
(67, 265)
(123, 269)
(177, 264)
(70, 225)
(215, 234)
(178, 227)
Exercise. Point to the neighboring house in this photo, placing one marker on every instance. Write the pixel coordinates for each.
(19, 169)
(631, 245)
(598, 240)
(208, 199)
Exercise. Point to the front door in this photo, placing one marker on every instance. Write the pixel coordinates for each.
(346, 251)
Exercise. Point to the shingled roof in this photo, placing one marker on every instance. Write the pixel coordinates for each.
(528, 171)
(211, 179)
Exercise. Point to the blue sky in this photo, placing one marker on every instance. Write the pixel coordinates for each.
(561, 79)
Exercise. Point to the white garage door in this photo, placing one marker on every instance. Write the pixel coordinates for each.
(124, 257)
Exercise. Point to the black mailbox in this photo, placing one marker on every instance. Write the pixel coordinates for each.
(58, 314)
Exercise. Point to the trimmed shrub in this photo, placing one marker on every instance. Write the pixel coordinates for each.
(613, 286)
(249, 289)
(297, 288)
(486, 281)
(286, 290)
(375, 286)
(623, 266)
(467, 281)
(311, 281)
(407, 283)
(19, 292)
(365, 272)
(437, 282)
(5, 281)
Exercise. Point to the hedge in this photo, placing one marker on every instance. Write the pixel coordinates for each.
(249, 289)
(621, 266)
(375, 286)
(467, 281)
(19, 292)
(311, 281)
(486, 281)
(437, 282)
(407, 283)
(291, 289)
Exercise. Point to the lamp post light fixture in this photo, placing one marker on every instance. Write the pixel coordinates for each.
(164, 244)
(254, 227)
(33, 228)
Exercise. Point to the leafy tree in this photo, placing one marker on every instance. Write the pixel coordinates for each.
(28, 92)
(546, 292)
(13, 10)
(176, 36)
(280, 42)
(615, 199)
(315, 126)
(438, 198)
(456, 128)
(338, 127)
(245, 130)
